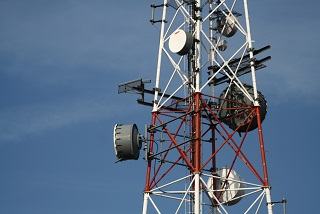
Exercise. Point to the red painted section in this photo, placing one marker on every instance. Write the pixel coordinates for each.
(171, 123)
(197, 133)
(233, 144)
(262, 151)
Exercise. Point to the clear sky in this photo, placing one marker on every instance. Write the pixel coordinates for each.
(60, 63)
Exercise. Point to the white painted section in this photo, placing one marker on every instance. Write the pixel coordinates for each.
(145, 203)
(197, 200)
(161, 44)
(198, 28)
(268, 198)
(249, 40)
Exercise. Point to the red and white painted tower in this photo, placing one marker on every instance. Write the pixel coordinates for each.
(205, 150)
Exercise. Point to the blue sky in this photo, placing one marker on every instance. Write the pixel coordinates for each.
(60, 63)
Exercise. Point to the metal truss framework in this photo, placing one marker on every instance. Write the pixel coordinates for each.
(188, 139)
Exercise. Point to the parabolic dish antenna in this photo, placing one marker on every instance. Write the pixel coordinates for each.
(126, 142)
(180, 42)
(227, 190)
(227, 25)
(235, 109)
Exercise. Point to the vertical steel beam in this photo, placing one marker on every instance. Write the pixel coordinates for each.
(250, 49)
(269, 201)
(161, 44)
(264, 162)
(145, 203)
(197, 108)
(197, 54)
(256, 103)
(148, 174)
(262, 150)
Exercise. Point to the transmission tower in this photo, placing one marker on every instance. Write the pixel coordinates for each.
(204, 147)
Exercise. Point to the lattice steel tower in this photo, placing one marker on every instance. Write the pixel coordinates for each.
(204, 146)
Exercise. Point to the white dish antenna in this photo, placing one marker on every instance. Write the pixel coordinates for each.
(227, 25)
(227, 190)
(180, 42)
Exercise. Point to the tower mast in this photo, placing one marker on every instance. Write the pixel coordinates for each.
(207, 113)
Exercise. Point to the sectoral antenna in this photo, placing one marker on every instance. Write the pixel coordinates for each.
(243, 68)
(134, 86)
(138, 87)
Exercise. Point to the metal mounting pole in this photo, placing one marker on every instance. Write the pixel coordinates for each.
(197, 109)
(197, 152)
(212, 91)
(284, 203)
(212, 52)
(197, 54)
